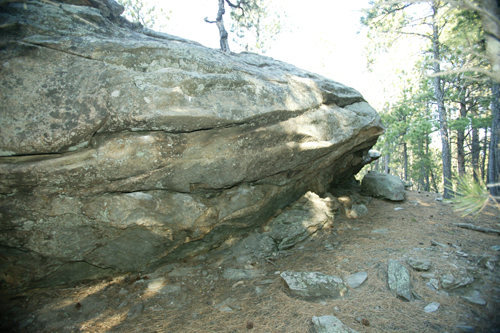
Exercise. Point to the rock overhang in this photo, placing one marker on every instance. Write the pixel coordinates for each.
(111, 133)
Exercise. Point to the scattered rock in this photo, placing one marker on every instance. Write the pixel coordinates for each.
(329, 324)
(475, 297)
(156, 284)
(419, 264)
(460, 279)
(465, 329)
(431, 307)
(356, 210)
(383, 186)
(398, 208)
(314, 285)
(398, 279)
(226, 305)
(356, 279)
(436, 243)
(433, 284)
(363, 321)
(495, 247)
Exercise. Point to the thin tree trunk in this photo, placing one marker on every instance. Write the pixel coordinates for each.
(460, 143)
(219, 21)
(387, 158)
(434, 183)
(475, 152)
(493, 178)
(427, 170)
(485, 152)
(405, 161)
(439, 96)
(491, 27)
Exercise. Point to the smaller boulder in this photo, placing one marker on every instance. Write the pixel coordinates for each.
(431, 307)
(356, 211)
(419, 264)
(329, 324)
(314, 285)
(398, 279)
(382, 185)
(356, 279)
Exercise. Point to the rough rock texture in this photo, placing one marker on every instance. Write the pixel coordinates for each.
(355, 280)
(123, 147)
(314, 285)
(329, 324)
(293, 225)
(383, 185)
(399, 280)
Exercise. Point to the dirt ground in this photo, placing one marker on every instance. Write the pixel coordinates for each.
(194, 296)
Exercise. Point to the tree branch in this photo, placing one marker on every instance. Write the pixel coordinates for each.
(476, 228)
(464, 70)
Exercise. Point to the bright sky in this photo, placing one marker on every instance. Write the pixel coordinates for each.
(323, 36)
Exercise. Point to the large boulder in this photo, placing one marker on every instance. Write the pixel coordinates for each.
(124, 148)
(383, 185)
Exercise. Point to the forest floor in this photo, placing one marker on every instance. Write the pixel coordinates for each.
(197, 295)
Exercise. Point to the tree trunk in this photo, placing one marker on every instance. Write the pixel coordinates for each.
(219, 21)
(475, 152)
(460, 143)
(493, 178)
(387, 158)
(427, 170)
(439, 96)
(405, 161)
(491, 26)
(485, 153)
(434, 184)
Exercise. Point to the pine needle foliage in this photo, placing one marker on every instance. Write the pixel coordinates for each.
(472, 196)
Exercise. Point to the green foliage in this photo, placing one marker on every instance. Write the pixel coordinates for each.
(471, 196)
(255, 24)
(412, 118)
(145, 13)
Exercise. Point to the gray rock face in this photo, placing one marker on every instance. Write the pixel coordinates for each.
(399, 281)
(329, 324)
(294, 224)
(383, 186)
(314, 285)
(431, 307)
(355, 280)
(123, 148)
(419, 264)
(300, 221)
(457, 280)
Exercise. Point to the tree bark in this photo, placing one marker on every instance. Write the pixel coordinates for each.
(387, 158)
(460, 143)
(219, 21)
(427, 171)
(493, 178)
(485, 153)
(490, 18)
(475, 152)
(405, 161)
(439, 96)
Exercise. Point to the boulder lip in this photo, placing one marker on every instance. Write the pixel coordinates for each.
(124, 62)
